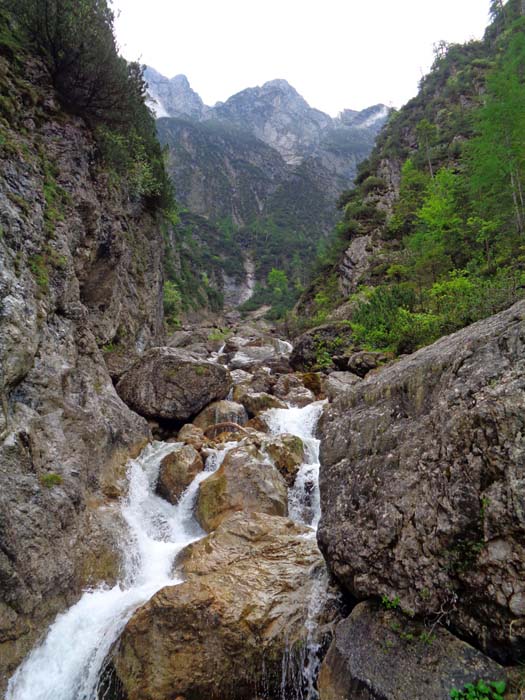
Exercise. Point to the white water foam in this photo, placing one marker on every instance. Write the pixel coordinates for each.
(304, 504)
(67, 664)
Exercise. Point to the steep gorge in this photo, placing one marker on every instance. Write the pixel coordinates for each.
(195, 562)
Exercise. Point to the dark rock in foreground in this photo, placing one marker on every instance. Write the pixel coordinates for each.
(382, 655)
(423, 483)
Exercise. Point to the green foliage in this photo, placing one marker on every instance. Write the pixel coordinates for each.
(38, 266)
(390, 603)
(482, 690)
(172, 304)
(454, 247)
(75, 39)
(218, 335)
(50, 479)
(76, 42)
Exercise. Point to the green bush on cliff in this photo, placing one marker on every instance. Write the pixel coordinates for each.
(76, 42)
(50, 479)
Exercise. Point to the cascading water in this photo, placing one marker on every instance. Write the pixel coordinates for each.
(304, 507)
(304, 504)
(67, 665)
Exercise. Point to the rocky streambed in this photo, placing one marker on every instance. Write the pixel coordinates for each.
(222, 591)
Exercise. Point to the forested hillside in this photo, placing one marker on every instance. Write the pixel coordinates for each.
(432, 237)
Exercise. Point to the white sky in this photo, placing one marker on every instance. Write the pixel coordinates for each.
(337, 53)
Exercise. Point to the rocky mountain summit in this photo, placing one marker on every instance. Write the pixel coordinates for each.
(275, 113)
(173, 98)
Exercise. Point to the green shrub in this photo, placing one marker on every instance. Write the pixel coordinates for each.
(489, 690)
(373, 184)
(38, 266)
(172, 303)
(50, 479)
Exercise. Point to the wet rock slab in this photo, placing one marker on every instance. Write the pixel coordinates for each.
(246, 481)
(379, 654)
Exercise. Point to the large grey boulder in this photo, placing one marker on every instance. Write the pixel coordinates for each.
(168, 383)
(423, 483)
(379, 654)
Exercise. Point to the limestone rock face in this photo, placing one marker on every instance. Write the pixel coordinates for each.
(173, 97)
(168, 383)
(177, 471)
(245, 481)
(383, 655)
(73, 288)
(225, 631)
(221, 412)
(422, 482)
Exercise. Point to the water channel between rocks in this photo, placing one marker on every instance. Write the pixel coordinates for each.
(67, 664)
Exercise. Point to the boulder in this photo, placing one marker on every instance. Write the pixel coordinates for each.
(361, 363)
(236, 628)
(315, 348)
(259, 424)
(379, 654)
(177, 471)
(168, 383)
(244, 482)
(225, 432)
(249, 357)
(337, 383)
(422, 483)
(257, 402)
(192, 435)
(312, 381)
(290, 388)
(287, 453)
(239, 376)
(221, 412)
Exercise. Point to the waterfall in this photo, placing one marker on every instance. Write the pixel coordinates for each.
(67, 664)
(304, 505)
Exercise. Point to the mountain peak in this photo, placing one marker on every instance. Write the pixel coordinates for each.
(280, 83)
(180, 80)
(173, 97)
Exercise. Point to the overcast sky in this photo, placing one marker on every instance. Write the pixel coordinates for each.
(337, 53)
